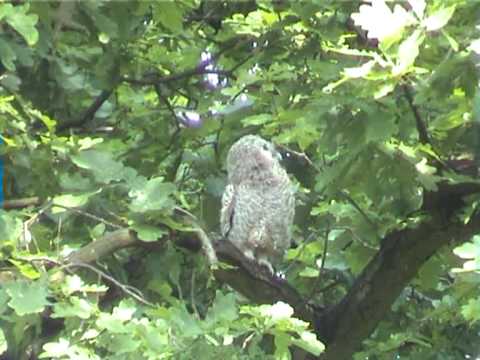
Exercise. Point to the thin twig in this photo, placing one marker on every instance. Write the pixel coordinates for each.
(89, 113)
(325, 250)
(206, 242)
(35, 217)
(322, 266)
(124, 288)
(300, 155)
(192, 294)
(91, 216)
(357, 207)
(169, 106)
(153, 80)
(421, 127)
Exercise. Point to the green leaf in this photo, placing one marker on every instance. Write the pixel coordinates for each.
(382, 23)
(147, 232)
(73, 307)
(111, 324)
(430, 273)
(125, 310)
(154, 195)
(60, 349)
(3, 342)
(282, 341)
(185, 322)
(70, 201)
(360, 71)
(259, 119)
(49, 123)
(7, 55)
(104, 38)
(426, 175)
(101, 164)
(170, 15)
(453, 43)
(71, 284)
(26, 269)
(379, 129)
(27, 297)
(17, 18)
(475, 46)
(277, 311)
(439, 18)
(469, 250)
(24, 24)
(384, 90)
(309, 272)
(471, 311)
(418, 7)
(124, 344)
(309, 342)
(223, 309)
(3, 298)
(10, 227)
(408, 52)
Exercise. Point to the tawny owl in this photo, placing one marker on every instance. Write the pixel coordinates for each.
(258, 204)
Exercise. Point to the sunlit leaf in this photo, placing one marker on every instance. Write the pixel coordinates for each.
(471, 311)
(309, 342)
(418, 7)
(408, 52)
(439, 18)
(381, 22)
(3, 342)
(24, 24)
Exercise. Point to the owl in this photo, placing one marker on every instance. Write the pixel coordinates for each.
(258, 203)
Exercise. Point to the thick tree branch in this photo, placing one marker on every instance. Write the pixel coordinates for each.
(344, 326)
(403, 252)
(249, 278)
(106, 245)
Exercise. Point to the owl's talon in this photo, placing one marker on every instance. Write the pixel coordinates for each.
(266, 263)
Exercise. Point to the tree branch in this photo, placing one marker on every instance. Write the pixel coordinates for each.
(421, 127)
(344, 326)
(403, 252)
(155, 79)
(21, 203)
(89, 113)
(106, 245)
(250, 279)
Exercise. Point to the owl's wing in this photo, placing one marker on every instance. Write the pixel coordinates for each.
(226, 214)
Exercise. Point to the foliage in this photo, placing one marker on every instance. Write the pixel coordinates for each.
(119, 115)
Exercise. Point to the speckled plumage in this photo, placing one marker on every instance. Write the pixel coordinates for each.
(258, 204)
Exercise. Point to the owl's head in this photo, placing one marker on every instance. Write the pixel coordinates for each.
(252, 158)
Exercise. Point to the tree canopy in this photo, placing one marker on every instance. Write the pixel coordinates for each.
(116, 118)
